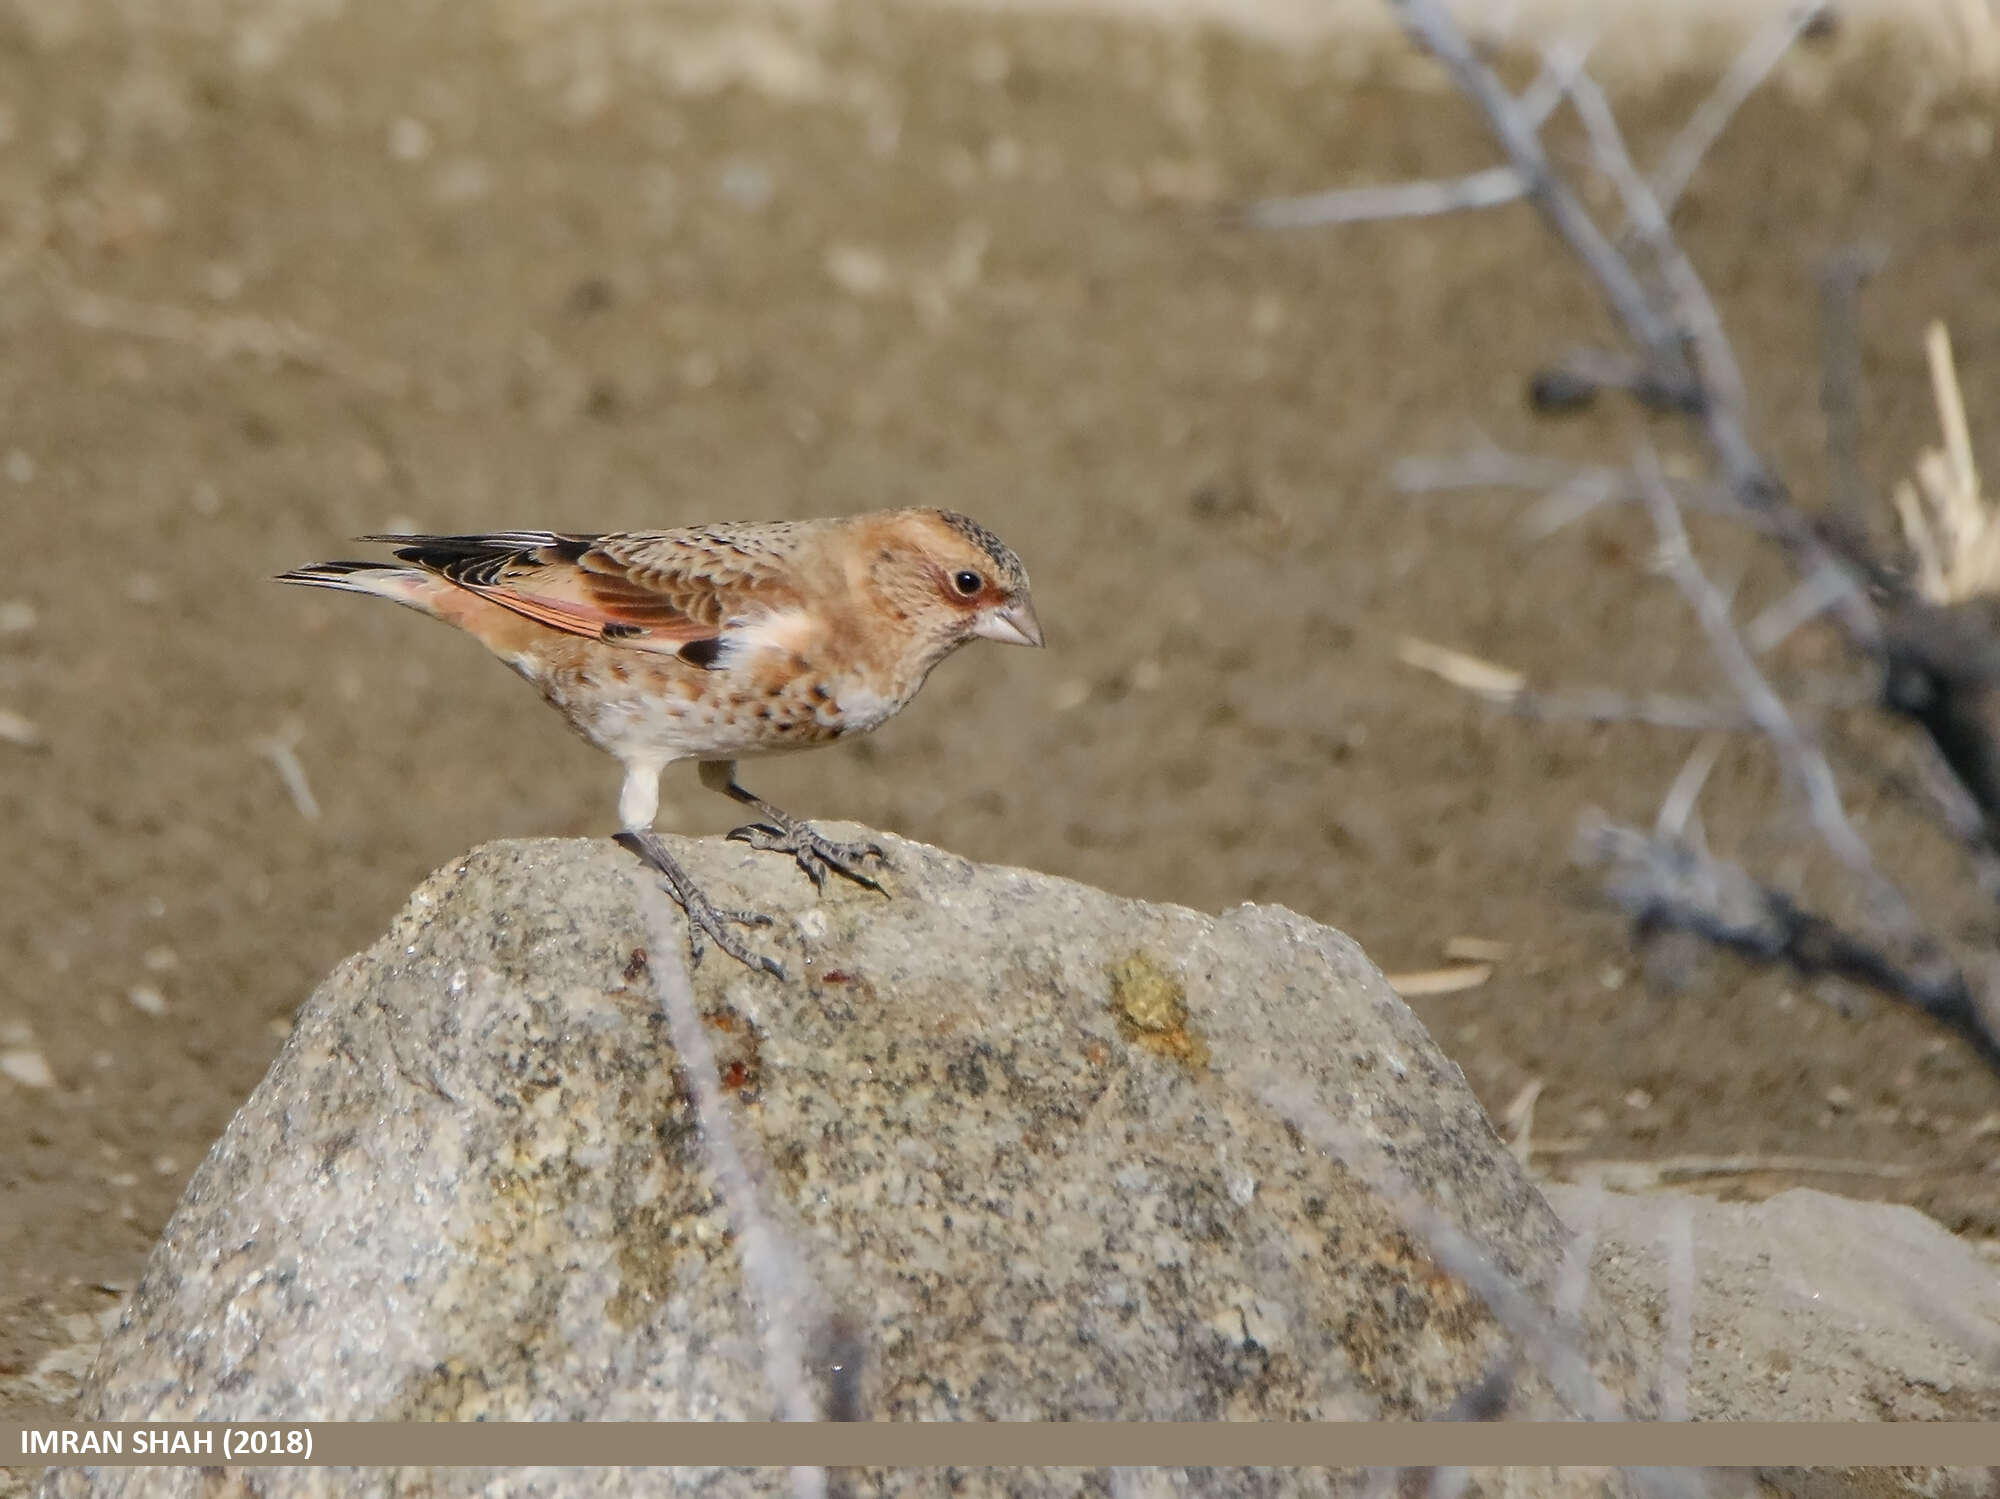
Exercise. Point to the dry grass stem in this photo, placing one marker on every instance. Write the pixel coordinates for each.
(281, 749)
(1453, 979)
(1486, 678)
(1647, 1176)
(1950, 528)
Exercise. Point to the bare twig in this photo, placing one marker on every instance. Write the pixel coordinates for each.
(1662, 710)
(1669, 885)
(1704, 127)
(1841, 276)
(1819, 591)
(1414, 200)
(1695, 309)
(1399, 200)
(1940, 665)
(1665, 340)
(1572, 490)
(1580, 376)
(775, 1273)
(1801, 756)
(1433, 27)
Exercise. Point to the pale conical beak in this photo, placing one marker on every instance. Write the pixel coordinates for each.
(1014, 625)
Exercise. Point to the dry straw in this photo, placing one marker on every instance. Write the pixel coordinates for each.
(1951, 530)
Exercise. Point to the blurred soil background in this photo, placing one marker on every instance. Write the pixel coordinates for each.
(275, 274)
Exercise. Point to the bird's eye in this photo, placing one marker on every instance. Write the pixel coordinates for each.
(967, 582)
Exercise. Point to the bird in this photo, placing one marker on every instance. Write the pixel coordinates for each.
(714, 643)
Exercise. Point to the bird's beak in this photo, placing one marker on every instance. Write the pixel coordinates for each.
(1013, 625)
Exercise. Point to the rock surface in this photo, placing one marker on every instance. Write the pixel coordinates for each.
(1811, 1307)
(1018, 1129)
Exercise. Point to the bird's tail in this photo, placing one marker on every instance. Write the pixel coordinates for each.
(405, 585)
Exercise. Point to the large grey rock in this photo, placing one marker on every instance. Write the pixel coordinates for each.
(1017, 1127)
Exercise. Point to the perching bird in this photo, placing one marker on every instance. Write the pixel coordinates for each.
(716, 642)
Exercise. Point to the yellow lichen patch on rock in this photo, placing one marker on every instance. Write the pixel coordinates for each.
(1150, 1005)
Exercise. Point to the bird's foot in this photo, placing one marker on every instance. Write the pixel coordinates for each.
(815, 853)
(703, 915)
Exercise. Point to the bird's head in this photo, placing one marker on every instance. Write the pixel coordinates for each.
(952, 579)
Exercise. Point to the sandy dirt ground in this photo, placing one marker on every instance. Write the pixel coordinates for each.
(275, 275)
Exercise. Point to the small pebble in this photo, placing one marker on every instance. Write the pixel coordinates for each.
(15, 729)
(748, 184)
(856, 270)
(147, 999)
(1071, 694)
(465, 180)
(409, 139)
(28, 1068)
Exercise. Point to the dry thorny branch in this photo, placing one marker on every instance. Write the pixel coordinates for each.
(1923, 627)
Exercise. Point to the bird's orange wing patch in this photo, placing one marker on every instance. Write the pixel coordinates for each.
(659, 591)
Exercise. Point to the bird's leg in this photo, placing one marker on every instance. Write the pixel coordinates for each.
(784, 833)
(638, 803)
(702, 914)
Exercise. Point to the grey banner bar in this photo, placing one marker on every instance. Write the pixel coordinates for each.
(1019, 1444)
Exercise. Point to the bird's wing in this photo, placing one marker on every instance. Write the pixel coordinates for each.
(674, 592)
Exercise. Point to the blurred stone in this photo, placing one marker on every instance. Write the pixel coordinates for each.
(27, 1067)
(1811, 1307)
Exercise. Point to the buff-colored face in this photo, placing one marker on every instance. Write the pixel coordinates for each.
(957, 578)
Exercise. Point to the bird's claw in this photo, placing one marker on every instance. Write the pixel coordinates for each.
(703, 914)
(716, 921)
(815, 853)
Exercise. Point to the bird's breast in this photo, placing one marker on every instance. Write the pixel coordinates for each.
(858, 706)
